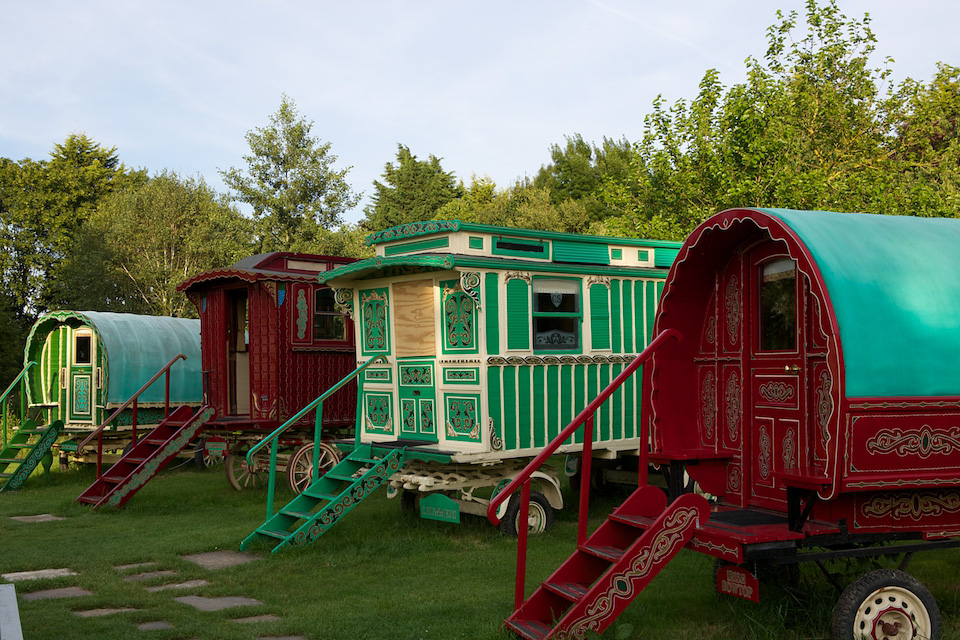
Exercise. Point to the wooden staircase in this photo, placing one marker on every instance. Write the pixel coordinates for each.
(309, 515)
(147, 458)
(595, 584)
(24, 451)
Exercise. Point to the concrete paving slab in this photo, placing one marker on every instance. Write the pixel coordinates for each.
(189, 584)
(264, 618)
(148, 575)
(220, 559)
(96, 613)
(216, 604)
(49, 594)
(42, 517)
(155, 626)
(10, 628)
(38, 574)
(135, 565)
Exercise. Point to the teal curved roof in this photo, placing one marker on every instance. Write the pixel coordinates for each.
(136, 347)
(894, 283)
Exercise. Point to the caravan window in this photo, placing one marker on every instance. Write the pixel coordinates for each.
(778, 306)
(328, 323)
(556, 314)
(81, 353)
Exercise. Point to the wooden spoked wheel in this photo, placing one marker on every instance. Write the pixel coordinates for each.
(300, 468)
(240, 475)
(886, 604)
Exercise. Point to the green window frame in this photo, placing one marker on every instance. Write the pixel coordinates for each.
(557, 314)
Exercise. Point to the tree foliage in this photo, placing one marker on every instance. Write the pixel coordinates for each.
(411, 190)
(290, 183)
(143, 241)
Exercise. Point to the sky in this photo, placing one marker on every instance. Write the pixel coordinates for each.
(487, 87)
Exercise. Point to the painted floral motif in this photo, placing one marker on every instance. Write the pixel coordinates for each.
(378, 414)
(408, 415)
(623, 584)
(734, 479)
(462, 418)
(711, 330)
(734, 405)
(28, 464)
(924, 442)
(496, 442)
(824, 405)
(470, 283)
(778, 392)
(734, 312)
(426, 416)
(789, 445)
(458, 309)
(764, 460)
(913, 505)
(374, 306)
(81, 395)
(708, 403)
(416, 375)
(302, 312)
(343, 301)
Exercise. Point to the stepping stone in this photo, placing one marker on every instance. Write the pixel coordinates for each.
(43, 517)
(96, 613)
(140, 577)
(219, 559)
(155, 626)
(216, 604)
(264, 618)
(66, 592)
(38, 575)
(10, 628)
(135, 565)
(189, 584)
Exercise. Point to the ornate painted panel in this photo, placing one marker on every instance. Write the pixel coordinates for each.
(908, 510)
(776, 391)
(374, 321)
(378, 413)
(707, 413)
(460, 317)
(463, 420)
(909, 444)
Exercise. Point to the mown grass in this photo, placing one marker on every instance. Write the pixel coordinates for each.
(377, 574)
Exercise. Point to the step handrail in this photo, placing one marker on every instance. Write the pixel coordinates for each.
(23, 398)
(274, 438)
(98, 432)
(584, 418)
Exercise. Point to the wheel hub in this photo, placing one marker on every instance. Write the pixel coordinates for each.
(891, 614)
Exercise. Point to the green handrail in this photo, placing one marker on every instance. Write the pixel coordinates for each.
(274, 438)
(23, 398)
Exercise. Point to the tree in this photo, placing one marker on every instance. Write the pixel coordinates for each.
(290, 183)
(42, 205)
(411, 190)
(813, 127)
(143, 241)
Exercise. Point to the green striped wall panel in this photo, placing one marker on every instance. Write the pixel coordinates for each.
(523, 404)
(627, 309)
(540, 395)
(600, 316)
(510, 441)
(553, 408)
(495, 401)
(566, 396)
(491, 302)
(651, 301)
(639, 313)
(615, 330)
(518, 314)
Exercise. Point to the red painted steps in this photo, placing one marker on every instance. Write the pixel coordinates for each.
(147, 458)
(595, 584)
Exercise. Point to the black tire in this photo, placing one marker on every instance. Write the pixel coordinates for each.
(886, 604)
(540, 516)
(410, 503)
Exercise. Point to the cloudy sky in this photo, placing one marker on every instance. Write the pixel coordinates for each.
(485, 86)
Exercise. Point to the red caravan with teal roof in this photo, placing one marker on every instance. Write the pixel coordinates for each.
(820, 353)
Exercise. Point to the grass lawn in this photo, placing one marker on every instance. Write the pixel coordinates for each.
(377, 574)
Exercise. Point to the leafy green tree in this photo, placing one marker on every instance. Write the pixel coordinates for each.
(411, 190)
(42, 205)
(143, 241)
(290, 183)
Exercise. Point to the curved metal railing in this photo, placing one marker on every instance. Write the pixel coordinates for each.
(584, 418)
(274, 438)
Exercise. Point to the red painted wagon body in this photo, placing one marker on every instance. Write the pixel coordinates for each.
(272, 340)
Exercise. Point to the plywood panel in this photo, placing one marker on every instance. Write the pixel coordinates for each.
(414, 318)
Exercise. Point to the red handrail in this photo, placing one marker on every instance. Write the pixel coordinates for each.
(132, 400)
(585, 417)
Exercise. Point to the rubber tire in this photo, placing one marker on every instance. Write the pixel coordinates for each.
(539, 508)
(862, 593)
(301, 464)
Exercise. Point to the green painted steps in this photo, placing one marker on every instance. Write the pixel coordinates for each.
(603, 576)
(321, 505)
(24, 451)
(147, 458)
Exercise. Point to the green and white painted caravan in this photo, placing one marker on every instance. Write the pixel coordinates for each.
(492, 339)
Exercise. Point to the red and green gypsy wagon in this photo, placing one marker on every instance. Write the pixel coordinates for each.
(273, 339)
(804, 373)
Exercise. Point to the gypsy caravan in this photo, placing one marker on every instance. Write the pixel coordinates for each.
(478, 344)
(89, 363)
(805, 377)
(273, 339)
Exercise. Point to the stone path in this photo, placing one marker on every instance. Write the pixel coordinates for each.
(149, 571)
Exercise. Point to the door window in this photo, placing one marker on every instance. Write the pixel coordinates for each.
(778, 305)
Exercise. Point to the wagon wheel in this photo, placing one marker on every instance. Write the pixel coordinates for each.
(539, 517)
(240, 475)
(300, 468)
(886, 604)
(204, 460)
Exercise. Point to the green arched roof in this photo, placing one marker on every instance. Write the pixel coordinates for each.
(136, 348)
(894, 283)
